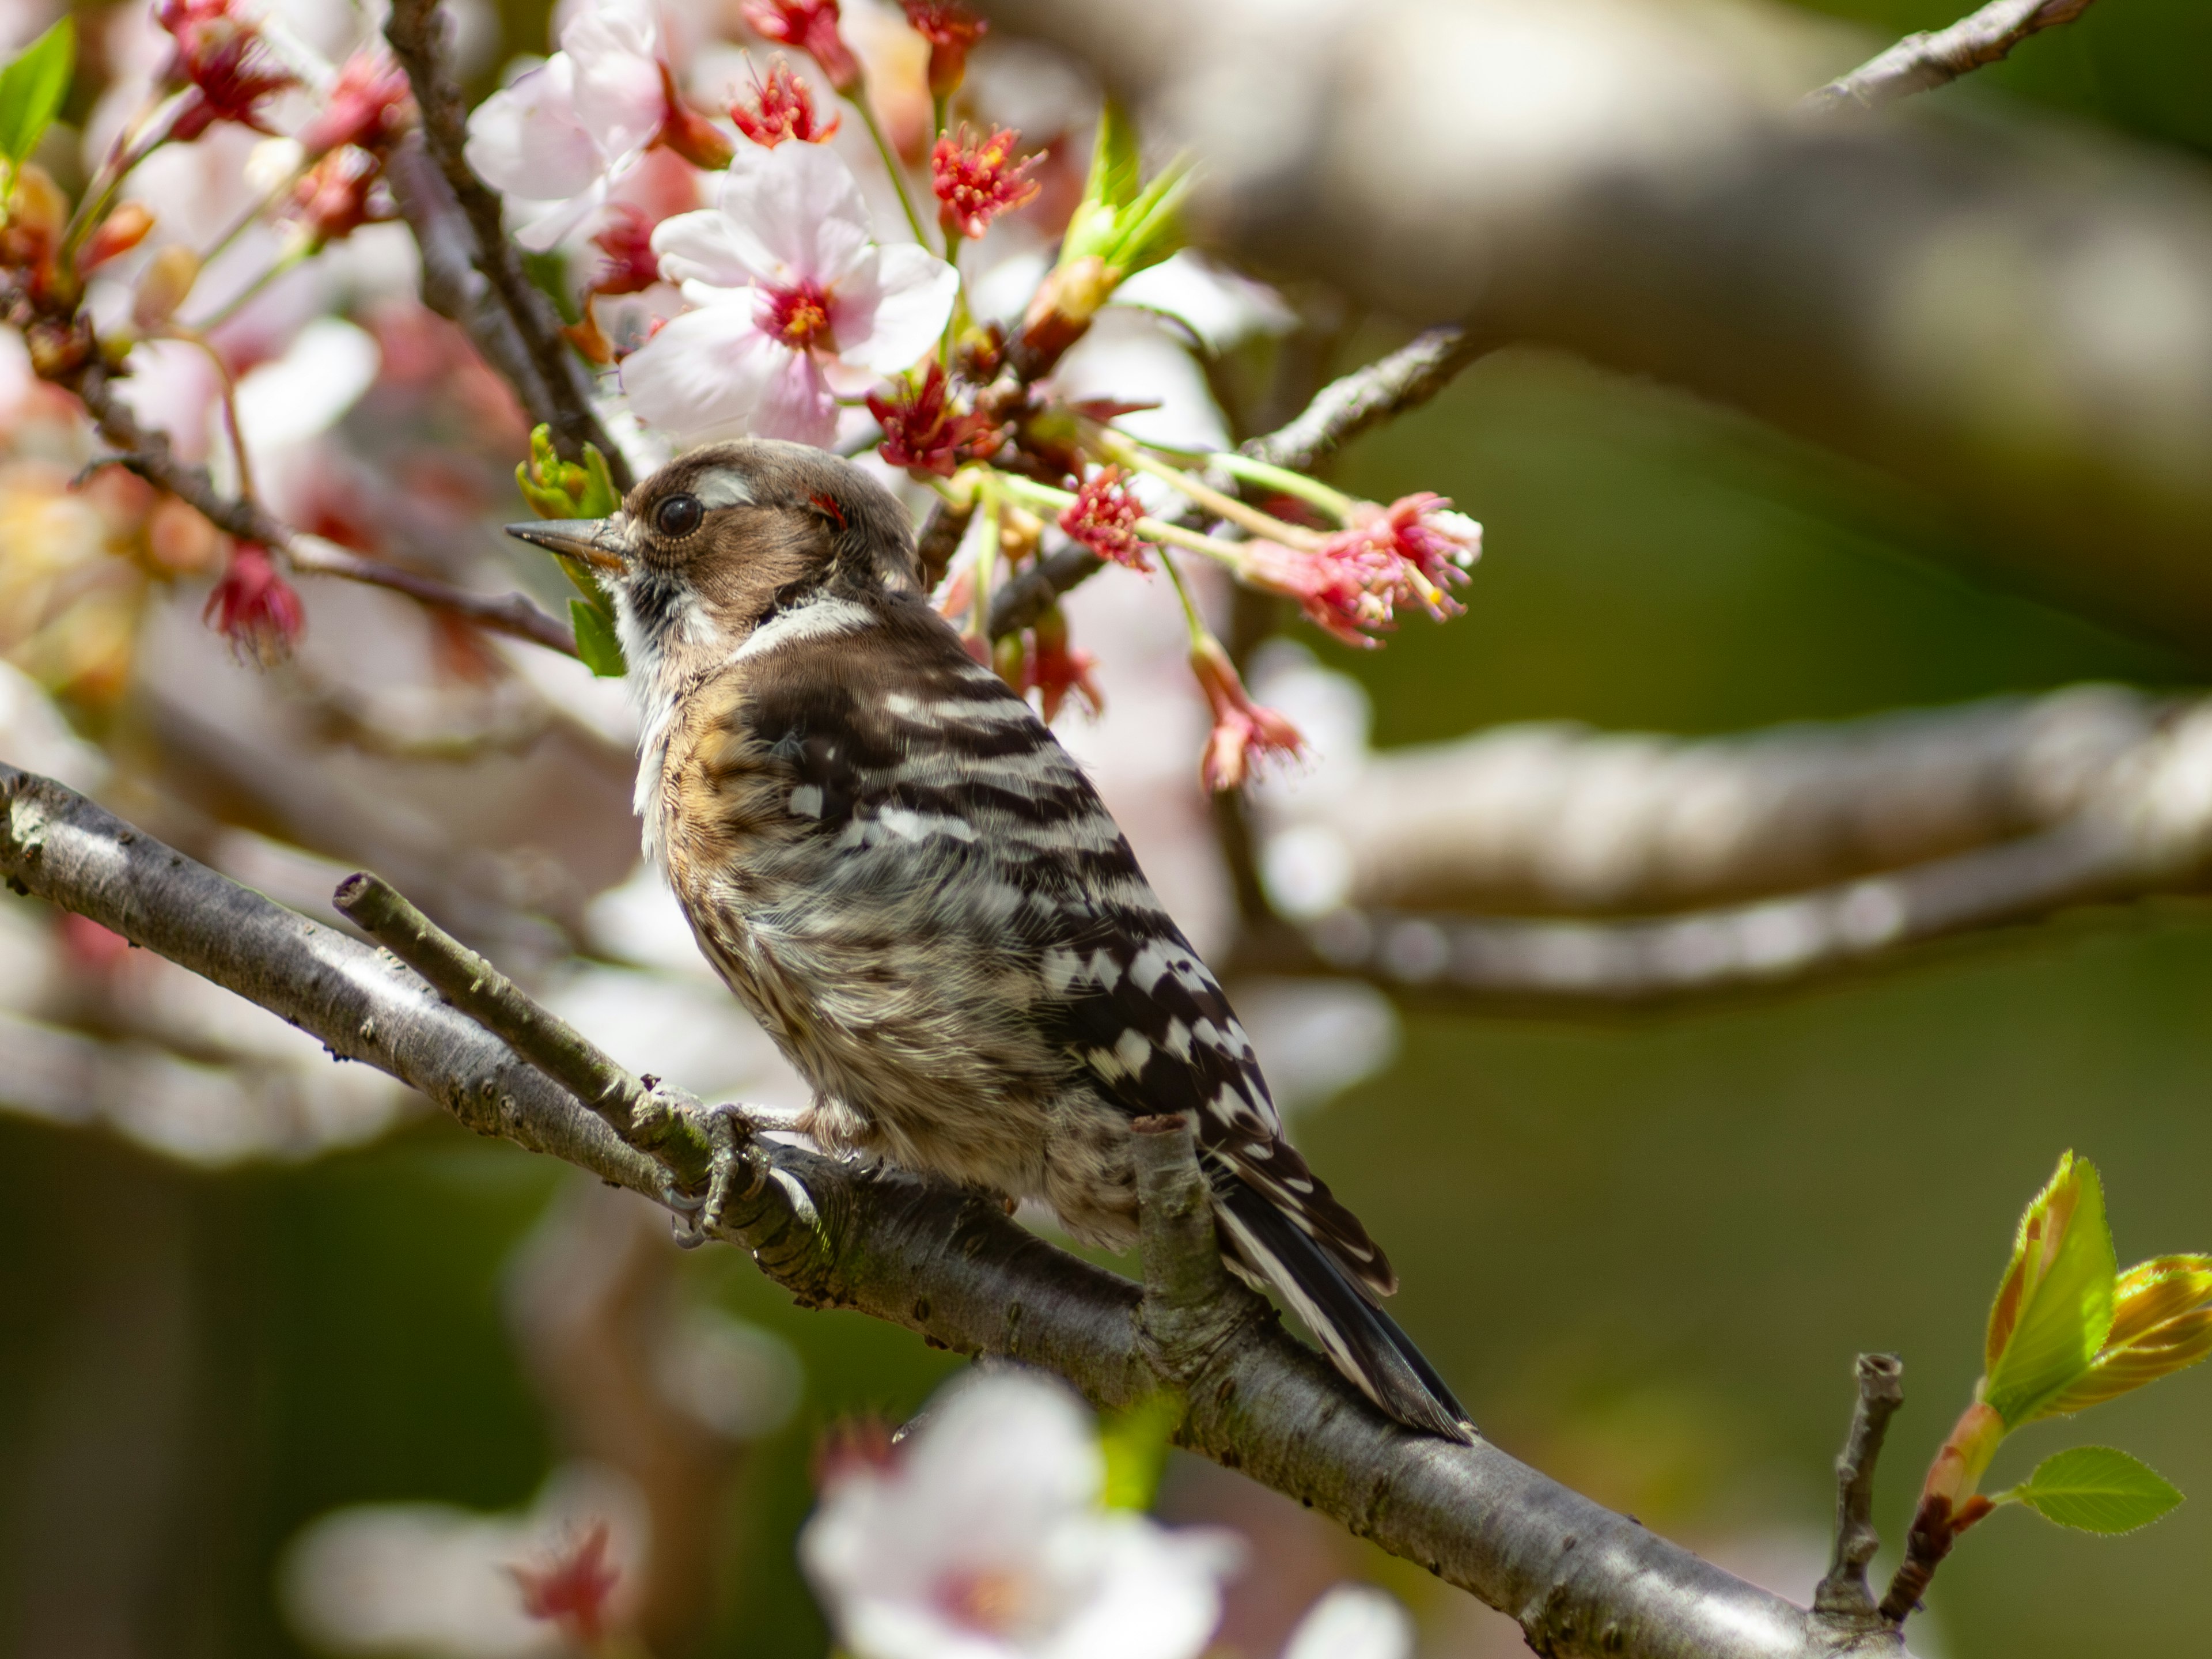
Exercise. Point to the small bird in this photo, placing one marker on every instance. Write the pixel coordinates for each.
(915, 890)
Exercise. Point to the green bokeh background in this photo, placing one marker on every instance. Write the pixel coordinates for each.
(1644, 1248)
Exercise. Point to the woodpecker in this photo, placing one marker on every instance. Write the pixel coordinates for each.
(890, 860)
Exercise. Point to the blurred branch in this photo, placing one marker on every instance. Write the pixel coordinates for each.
(148, 454)
(1556, 817)
(556, 392)
(1581, 1580)
(1340, 412)
(1844, 1593)
(1921, 62)
(2129, 821)
(1627, 184)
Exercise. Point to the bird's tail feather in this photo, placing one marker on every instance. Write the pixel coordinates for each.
(1364, 1343)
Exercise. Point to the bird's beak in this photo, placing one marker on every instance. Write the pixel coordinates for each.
(597, 542)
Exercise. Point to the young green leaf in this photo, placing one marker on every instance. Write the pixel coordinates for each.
(32, 89)
(2054, 1305)
(596, 642)
(2095, 1489)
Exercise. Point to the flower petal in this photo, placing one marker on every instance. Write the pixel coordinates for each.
(527, 140)
(797, 403)
(707, 372)
(1353, 1621)
(796, 215)
(892, 307)
(704, 247)
(619, 97)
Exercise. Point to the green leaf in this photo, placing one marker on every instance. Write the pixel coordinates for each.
(547, 272)
(2056, 1303)
(2095, 1489)
(596, 642)
(32, 89)
(1135, 1443)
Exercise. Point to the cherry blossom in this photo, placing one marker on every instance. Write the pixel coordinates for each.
(986, 1540)
(790, 291)
(572, 1588)
(925, 431)
(1353, 1621)
(781, 108)
(1352, 582)
(564, 133)
(1103, 518)
(219, 53)
(1243, 731)
(976, 180)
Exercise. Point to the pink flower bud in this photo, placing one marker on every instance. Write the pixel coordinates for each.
(370, 105)
(811, 27)
(120, 232)
(950, 29)
(254, 608)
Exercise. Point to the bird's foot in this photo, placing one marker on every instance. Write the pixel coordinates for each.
(729, 1129)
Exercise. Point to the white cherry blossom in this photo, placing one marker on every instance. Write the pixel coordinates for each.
(986, 1540)
(564, 131)
(794, 302)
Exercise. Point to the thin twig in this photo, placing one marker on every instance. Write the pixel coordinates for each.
(149, 455)
(1920, 63)
(950, 1264)
(556, 1047)
(1843, 1596)
(1340, 411)
(417, 35)
(1344, 409)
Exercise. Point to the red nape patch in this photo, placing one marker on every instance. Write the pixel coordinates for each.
(829, 505)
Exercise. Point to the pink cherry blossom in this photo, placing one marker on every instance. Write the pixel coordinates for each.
(563, 132)
(794, 303)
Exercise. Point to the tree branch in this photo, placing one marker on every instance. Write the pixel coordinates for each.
(1581, 1580)
(556, 1047)
(1708, 951)
(149, 455)
(1921, 62)
(562, 398)
(2084, 796)
(1340, 412)
(1844, 1594)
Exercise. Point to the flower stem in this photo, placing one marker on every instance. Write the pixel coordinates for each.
(1199, 634)
(1226, 507)
(1334, 503)
(1029, 490)
(892, 165)
(284, 262)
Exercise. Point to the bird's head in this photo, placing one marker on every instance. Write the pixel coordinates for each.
(719, 541)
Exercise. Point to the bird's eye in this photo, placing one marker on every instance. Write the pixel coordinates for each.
(679, 515)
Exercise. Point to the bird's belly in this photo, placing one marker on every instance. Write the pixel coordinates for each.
(916, 1051)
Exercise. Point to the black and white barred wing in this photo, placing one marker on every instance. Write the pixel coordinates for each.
(1148, 1021)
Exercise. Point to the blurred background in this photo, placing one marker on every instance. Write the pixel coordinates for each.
(288, 1365)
